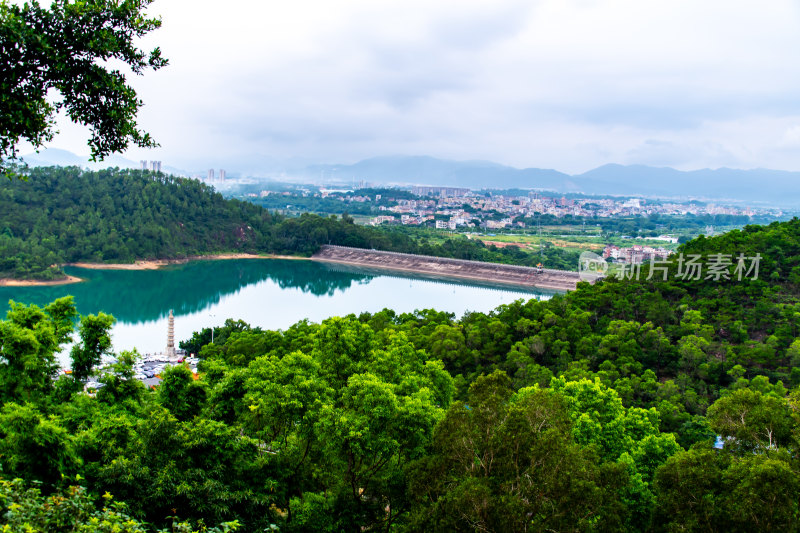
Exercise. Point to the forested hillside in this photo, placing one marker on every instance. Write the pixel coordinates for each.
(593, 411)
(63, 215)
(66, 215)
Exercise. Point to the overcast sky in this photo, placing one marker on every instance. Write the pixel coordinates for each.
(561, 84)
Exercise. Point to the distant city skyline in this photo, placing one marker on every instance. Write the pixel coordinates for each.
(569, 85)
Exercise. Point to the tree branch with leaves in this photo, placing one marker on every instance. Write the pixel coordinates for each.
(60, 59)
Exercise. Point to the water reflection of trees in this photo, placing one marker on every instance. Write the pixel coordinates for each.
(138, 296)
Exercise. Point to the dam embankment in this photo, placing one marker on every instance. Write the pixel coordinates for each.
(545, 278)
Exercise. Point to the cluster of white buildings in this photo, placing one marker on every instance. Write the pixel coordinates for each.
(635, 254)
(464, 207)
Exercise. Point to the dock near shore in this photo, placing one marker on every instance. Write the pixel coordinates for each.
(545, 278)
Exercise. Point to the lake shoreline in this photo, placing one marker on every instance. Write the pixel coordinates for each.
(154, 264)
(149, 264)
(500, 275)
(9, 282)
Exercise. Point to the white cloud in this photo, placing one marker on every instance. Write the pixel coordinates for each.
(551, 83)
(791, 137)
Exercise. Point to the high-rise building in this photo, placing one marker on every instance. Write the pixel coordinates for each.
(155, 166)
(210, 174)
(221, 174)
(144, 164)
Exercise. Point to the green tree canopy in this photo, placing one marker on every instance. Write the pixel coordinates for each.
(94, 344)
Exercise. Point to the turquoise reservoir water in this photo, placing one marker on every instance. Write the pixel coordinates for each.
(270, 293)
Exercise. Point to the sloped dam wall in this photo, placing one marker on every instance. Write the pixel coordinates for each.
(560, 280)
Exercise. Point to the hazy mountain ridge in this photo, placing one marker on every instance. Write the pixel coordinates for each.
(425, 170)
(753, 186)
(776, 187)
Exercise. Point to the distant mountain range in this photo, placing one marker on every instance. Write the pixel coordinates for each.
(754, 187)
(757, 186)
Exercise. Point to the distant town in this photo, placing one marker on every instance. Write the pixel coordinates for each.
(451, 207)
(464, 210)
(462, 206)
(622, 229)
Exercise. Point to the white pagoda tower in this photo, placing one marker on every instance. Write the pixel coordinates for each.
(170, 351)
